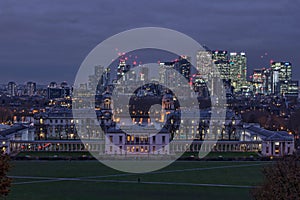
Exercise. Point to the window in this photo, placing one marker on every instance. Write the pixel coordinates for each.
(111, 138)
(163, 139)
(120, 139)
(153, 148)
(153, 139)
(277, 147)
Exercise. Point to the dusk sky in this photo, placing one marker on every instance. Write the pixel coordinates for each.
(44, 41)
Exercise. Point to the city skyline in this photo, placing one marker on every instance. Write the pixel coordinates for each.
(134, 62)
(54, 39)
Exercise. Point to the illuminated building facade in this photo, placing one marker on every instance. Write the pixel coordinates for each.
(55, 124)
(220, 59)
(238, 70)
(282, 75)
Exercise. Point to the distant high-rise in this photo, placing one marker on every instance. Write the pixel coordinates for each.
(238, 70)
(267, 81)
(31, 88)
(144, 74)
(122, 69)
(282, 77)
(199, 85)
(66, 89)
(94, 78)
(220, 59)
(257, 81)
(54, 91)
(183, 66)
(100, 79)
(12, 88)
(284, 70)
(293, 89)
(204, 62)
(167, 75)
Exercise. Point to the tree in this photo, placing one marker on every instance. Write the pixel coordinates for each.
(5, 181)
(5, 115)
(281, 180)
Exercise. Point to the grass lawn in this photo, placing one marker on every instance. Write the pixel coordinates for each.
(223, 154)
(211, 155)
(165, 183)
(53, 153)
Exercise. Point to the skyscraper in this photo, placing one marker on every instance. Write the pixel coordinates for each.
(144, 74)
(167, 75)
(220, 59)
(183, 66)
(284, 70)
(238, 70)
(204, 63)
(267, 81)
(282, 77)
(122, 69)
(12, 88)
(100, 79)
(31, 88)
(257, 81)
(55, 91)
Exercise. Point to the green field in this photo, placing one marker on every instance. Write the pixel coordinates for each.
(185, 155)
(92, 180)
